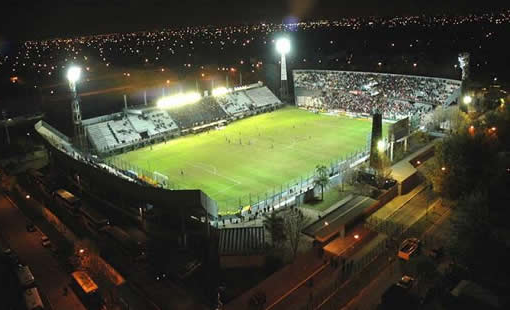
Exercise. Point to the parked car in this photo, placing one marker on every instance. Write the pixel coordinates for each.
(408, 248)
(11, 257)
(437, 252)
(406, 282)
(30, 227)
(45, 241)
(7, 251)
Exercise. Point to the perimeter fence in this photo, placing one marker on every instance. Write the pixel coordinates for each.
(279, 196)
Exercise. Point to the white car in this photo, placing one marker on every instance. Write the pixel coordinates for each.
(406, 282)
(45, 241)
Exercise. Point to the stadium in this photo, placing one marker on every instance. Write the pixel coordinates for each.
(231, 151)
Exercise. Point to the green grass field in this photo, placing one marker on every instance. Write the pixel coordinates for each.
(264, 151)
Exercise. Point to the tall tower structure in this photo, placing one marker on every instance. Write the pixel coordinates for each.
(283, 47)
(73, 75)
(376, 139)
(464, 65)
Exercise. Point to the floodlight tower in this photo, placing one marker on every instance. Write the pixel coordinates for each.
(73, 75)
(464, 65)
(283, 47)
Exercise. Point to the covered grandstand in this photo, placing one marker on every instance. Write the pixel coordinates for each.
(136, 127)
(396, 96)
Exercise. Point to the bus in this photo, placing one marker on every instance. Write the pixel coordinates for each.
(33, 299)
(86, 289)
(25, 277)
(94, 220)
(67, 200)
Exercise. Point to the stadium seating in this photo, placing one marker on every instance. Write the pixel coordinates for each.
(262, 96)
(234, 103)
(205, 111)
(396, 96)
(111, 132)
(152, 122)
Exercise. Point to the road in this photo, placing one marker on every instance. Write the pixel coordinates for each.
(413, 210)
(370, 296)
(326, 275)
(50, 279)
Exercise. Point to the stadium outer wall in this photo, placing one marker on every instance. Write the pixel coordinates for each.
(178, 211)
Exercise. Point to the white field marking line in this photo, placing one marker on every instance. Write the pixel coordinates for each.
(215, 173)
(207, 165)
(226, 188)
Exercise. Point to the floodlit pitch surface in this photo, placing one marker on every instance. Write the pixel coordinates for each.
(253, 155)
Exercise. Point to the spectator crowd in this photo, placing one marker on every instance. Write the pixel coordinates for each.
(396, 96)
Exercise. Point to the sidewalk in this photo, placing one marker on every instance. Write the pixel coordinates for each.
(396, 203)
(280, 283)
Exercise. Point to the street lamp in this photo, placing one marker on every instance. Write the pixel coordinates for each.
(283, 48)
(467, 99)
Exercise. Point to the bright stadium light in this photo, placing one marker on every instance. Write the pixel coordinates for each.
(220, 91)
(178, 100)
(467, 99)
(283, 46)
(381, 145)
(73, 74)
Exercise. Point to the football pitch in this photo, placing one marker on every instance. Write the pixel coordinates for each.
(254, 155)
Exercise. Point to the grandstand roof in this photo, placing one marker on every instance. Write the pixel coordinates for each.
(347, 212)
(241, 241)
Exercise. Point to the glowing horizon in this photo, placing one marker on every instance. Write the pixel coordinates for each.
(178, 100)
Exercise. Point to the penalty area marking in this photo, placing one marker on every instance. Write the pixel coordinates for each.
(214, 172)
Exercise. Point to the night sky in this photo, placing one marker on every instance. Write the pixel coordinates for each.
(50, 18)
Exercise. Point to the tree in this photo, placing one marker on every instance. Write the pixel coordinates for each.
(295, 221)
(473, 234)
(321, 178)
(462, 163)
(275, 225)
(470, 169)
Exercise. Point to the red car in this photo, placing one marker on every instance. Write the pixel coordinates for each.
(409, 247)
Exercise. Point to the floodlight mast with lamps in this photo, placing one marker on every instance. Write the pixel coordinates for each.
(283, 47)
(73, 76)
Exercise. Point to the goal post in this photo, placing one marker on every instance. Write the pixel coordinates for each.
(161, 179)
